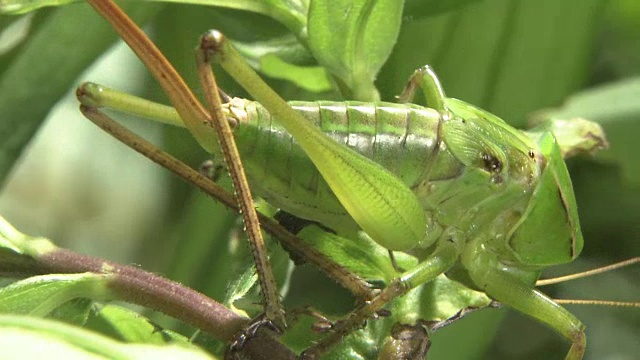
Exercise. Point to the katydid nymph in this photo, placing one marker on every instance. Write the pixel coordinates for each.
(451, 184)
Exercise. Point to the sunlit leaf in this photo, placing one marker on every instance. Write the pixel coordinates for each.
(615, 106)
(131, 327)
(353, 39)
(24, 337)
(40, 295)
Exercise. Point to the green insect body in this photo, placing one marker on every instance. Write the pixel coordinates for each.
(455, 186)
(283, 174)
(473, 171)
(502, 195)
(497, 202)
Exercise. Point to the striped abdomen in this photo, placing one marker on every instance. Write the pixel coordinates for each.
(401, 137)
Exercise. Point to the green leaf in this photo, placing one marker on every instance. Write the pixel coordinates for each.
(239, 289)
(13, 31)
(574, 135)
(15, 7)
(44, 70)
(243, 295)
(24, 337)
(615, 106)
(310, 78)
(442, 298)
(285, 58)
(74, 312)
(353, 39)
(423, 8)
(292, 13)
(500, 55)
(40, 295)
(362, 255)
(13, 241)
(197, 231)
(435, 301)
(286, 47)
(128, 326)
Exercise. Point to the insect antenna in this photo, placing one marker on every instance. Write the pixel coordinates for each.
(588, 273)
(592, 272)
(633, 304)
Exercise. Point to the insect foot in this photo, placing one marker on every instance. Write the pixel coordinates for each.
(249, 332)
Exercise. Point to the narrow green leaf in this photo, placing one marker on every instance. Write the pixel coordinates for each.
(128, 326)
(353, 39)
(615, 106)
(13, 31)
(422, 8)
(291, 13)
(574, 135)
(310, 78)
(15, 7)
(40, 295)
(74, 312)
(442, 298)
(13, 241)
(242, 294)
(24, 337)
(500, 55)
(287, 47)
(285, 58)
(239, 290)
(362, 255)
(45, 69)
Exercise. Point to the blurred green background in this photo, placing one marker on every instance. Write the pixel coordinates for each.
(85, 191)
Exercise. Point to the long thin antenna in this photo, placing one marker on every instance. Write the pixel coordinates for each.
(598, 302)
(587, 273)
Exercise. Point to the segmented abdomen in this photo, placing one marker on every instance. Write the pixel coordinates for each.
(401, 137)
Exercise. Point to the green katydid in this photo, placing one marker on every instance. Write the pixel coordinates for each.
(481, 194)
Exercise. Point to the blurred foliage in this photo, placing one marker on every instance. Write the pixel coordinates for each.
(511, 57)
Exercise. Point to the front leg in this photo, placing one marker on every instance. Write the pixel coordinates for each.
(506, 288)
